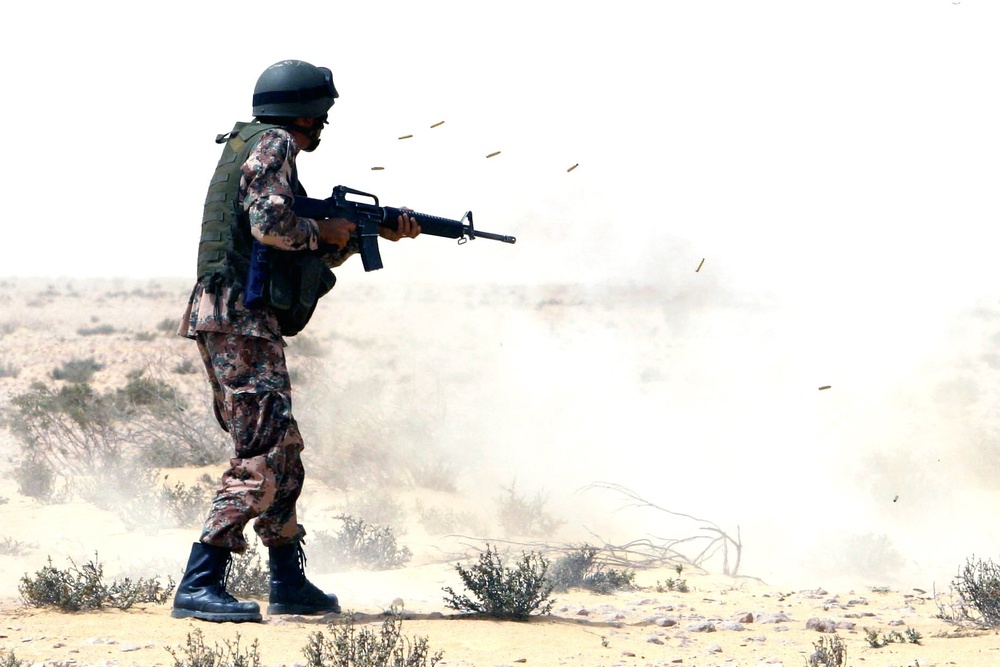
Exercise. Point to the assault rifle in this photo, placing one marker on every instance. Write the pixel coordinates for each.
(370, 216)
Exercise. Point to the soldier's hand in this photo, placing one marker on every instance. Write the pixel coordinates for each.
(335, 231)
(406, 227)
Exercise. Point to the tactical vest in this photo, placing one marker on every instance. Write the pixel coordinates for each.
(297, 280)
(224, 251)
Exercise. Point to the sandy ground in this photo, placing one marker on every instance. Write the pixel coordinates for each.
(721, 620)
(584, 629)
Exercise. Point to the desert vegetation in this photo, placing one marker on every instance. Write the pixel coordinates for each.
(84, 588)
(348, 645)
(975, 595)
(503, 590)
(383, 493)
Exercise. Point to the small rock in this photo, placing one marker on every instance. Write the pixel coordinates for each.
(665, 622)
(653, 639)
(733, 625)
(822, 625)
(714, 648)
(128, 648)
(703, 626)
(776, 617)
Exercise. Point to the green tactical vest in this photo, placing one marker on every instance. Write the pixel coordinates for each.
(224, 251)
(297, 280)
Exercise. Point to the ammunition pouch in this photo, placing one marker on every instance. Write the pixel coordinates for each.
(297, 281)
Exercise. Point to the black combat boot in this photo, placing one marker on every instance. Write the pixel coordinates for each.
(202, 591)
(291, 592)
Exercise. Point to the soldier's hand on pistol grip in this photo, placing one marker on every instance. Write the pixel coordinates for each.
(335, 231)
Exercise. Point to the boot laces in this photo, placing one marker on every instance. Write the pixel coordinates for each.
(302, 558)
(224, 581)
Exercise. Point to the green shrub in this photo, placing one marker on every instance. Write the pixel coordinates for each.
(978, 586)
(582, 569)
(185, 367)
(9, 370)
(196, 654)
(35, 479)
(828, 652)
(520, 516)
(360, 544)
(143, 391)
(10, 660)
(911, 636)
(678, 585)
(83, 588)
(353, 647)
(167, 326)
(11, 547)
(77, 370)
(72, 428)
(99, 330)
(501, 592)
(186, 505)
(77, 431)
(447, 520)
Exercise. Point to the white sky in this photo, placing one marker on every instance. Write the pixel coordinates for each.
(835, 161)
(835, 146)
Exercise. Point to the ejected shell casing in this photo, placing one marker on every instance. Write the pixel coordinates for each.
(573, 167)
(493, 153)
(700, 264)
(440, 122)
(406, 136)
(377, 168)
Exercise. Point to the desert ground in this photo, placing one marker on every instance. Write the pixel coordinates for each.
(436, 404)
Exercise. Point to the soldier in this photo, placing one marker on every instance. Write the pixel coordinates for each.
(250, 201)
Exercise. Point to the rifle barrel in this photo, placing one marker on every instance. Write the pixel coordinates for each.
(494, 237)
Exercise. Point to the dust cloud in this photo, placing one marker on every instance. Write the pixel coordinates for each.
(703, 399)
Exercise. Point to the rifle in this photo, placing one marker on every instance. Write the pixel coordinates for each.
(370, 216)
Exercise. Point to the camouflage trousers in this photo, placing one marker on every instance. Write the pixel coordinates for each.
(253, 402)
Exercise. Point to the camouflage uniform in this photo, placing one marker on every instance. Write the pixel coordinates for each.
(244, 355)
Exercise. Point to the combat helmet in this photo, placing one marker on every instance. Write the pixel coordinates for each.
(294, 89)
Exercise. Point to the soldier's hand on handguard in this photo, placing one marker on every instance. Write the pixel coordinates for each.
(335, 231)
(406, 227)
